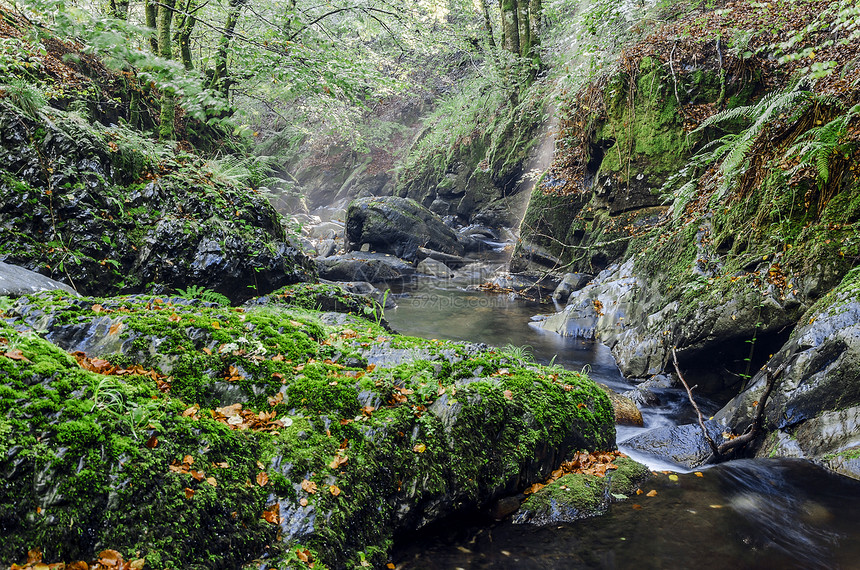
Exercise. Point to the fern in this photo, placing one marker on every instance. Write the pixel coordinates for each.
(819, 145)
(29, 98)
(203, 294)
(736, 147)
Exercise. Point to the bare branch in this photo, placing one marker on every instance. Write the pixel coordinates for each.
(710, 441)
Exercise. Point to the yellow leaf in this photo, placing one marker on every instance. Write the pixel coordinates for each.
(333, 489)
(673, 477)
(698, 474)
(216, 325)
(212, 481)
(651, 493)
(419, 448)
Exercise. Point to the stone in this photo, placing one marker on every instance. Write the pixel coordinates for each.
(626, 411)
(435, 268)
(569, 283)
(398, 226)
(360, 266)
(684, 445)
(577, 496)
(16, 281)
(452, 261)
(326, 248)
(814, 409)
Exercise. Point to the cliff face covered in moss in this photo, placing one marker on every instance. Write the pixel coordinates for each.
(709, 182)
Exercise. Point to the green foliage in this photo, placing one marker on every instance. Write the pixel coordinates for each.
(820, 145)
(204, 294)
(29, 98)
(734, 149)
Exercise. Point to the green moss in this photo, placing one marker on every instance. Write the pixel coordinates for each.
(129, 465)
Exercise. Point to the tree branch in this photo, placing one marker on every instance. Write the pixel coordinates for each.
(711, 443)
(752, 430)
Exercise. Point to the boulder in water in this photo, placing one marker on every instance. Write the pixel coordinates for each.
(363, 266)
(684, 444)
(435, 268)
(579, 495)
(398, 226)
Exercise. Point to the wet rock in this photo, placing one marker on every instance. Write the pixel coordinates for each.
(326, 248)
(398, 226)
(626, 411)
(363, 266)
(16, 281)
(505, 506)
(684, 444)
(645, 394)
(576, 496)
(435, 268)
(520, 282)
(569, 283)
(452, 261)
(120, 236)
(814, 409)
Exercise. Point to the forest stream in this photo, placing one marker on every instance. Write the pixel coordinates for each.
(749, 513)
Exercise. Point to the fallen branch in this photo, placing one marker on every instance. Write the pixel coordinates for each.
(711, 442)
(752, 431)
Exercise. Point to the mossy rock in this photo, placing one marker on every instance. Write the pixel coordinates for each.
(578, 495)
(213, 436)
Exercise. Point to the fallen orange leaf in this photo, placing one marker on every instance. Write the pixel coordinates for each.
(651, 493)
(189, 493)
(272, 514)
(333, 489)
(309, 486)
(16, 355)
(262, 478)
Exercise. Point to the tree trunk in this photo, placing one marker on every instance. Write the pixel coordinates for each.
(119, 9)
(151, 12)
(524, 28)
(535, 21)
(165, 50)
(510, 26)
(488, 24)
(184, 28)
(221, 80)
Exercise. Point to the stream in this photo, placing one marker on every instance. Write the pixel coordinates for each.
(776, 513)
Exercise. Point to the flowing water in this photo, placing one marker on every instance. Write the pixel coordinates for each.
(742, 515)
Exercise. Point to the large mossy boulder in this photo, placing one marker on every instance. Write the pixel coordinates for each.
(106, 211)
(398, 226)
(197, 435)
